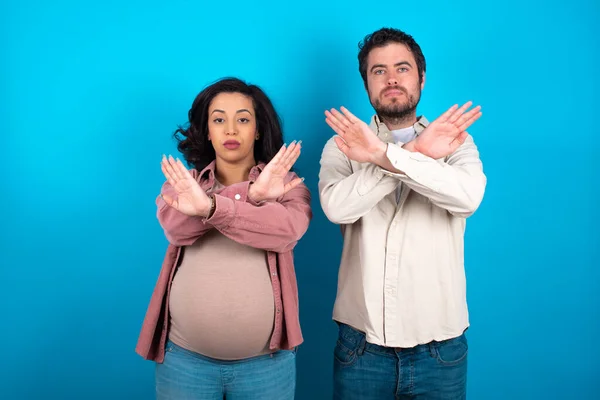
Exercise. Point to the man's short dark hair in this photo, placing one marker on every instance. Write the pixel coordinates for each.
(383, 37)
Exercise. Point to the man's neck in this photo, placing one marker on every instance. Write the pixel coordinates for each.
(229, 174)
(399, 123)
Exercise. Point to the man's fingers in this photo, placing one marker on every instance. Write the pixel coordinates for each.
(460, 139)
(333, 124)
(472, 117)
(464, 117)
(444, 117)
(349, 115)
(341, 117)
(341, 145)
(456, 114)
(335, 120)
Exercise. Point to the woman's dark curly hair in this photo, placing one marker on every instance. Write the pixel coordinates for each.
(193, 141)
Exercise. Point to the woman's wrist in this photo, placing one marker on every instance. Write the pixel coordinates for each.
(253, 195)
(208, 210)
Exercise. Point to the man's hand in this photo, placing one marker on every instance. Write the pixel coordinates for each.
(191, 199)
(270, 184)
(444, 135)
(355, 139)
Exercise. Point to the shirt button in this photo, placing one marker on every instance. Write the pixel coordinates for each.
(278, 311)
(237, 196)
(274, 273)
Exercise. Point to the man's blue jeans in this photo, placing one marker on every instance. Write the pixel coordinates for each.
(185, 375)
(364, 371)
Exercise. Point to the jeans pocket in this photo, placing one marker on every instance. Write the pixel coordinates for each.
(452, 351)
(344, 352)
(291, 353)
(172, 350)
(169, 347)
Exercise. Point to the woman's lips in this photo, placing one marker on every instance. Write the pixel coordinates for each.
(231, 144)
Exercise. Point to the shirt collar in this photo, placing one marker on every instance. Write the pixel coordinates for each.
(208, 172)
(384, 133)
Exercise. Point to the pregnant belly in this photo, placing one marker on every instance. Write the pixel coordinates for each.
(222, 313)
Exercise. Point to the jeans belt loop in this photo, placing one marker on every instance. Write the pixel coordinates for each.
(362, 345)
(432, 349)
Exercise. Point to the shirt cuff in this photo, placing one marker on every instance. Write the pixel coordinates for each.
(224, 213)
(399, 158)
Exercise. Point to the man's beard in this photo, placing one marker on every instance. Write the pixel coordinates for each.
(397, 111)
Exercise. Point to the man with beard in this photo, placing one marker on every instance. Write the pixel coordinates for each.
(401, 189)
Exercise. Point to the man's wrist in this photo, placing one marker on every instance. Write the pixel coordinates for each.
(410, 146)
(380, 157)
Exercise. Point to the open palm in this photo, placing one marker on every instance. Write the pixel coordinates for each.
(270, 184)
(444, 135)
(355, 139)
(190, 199)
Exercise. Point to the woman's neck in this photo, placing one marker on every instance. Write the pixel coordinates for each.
(229, 173)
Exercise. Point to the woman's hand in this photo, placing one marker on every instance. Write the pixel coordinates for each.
(191, 199)
(270, 184)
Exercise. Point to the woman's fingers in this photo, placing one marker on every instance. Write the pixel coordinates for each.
(167, 170)
(292, 184)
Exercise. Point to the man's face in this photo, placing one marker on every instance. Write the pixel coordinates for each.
(393, 81)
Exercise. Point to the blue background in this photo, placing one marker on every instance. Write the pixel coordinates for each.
(90, 95)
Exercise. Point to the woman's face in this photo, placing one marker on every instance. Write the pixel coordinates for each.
(232, 127)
